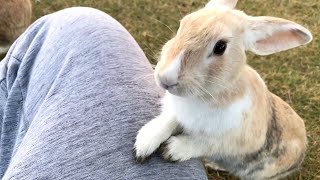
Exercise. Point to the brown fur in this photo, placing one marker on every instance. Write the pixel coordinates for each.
(15, 17)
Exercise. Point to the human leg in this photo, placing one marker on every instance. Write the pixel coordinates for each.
(80, 88)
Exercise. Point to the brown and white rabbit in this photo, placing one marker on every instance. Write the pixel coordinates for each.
(15, 17)
(224, 108)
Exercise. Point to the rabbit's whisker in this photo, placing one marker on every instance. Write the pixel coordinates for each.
(203, 89)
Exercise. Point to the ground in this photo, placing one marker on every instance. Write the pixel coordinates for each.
(293, 75)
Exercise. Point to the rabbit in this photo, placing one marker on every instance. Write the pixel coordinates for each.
(15, 17)
(219, 108)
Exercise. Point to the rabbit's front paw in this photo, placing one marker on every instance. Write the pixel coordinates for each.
(176, 149)
(147, 141)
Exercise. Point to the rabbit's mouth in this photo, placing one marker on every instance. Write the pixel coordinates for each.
(177, 89)
(181, 90)
(173, 89)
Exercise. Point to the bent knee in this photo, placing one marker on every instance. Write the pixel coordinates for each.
(82, 21)
(82, 13)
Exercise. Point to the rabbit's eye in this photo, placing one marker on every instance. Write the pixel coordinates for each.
(219, 48)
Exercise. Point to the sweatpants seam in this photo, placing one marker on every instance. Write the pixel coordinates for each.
(22, 100)
(2, 80)
(21, 121)
(16, 59)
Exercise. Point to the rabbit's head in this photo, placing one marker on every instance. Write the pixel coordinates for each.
(208, 52)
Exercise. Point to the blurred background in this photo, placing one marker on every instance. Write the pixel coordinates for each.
(294, 75)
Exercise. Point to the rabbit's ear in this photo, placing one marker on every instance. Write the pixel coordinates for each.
(268, 35)
(228, 3)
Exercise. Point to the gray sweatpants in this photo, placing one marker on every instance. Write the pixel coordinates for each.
(75, 88)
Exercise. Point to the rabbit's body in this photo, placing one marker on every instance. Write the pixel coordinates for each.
(267, 142)
(222, 105)
(15, 17)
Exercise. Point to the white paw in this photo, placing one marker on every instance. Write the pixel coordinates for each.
(176, 148)
(147, 141)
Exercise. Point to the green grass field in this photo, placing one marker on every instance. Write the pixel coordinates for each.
(294, 75)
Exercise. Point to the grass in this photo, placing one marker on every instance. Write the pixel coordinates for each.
(294, 75)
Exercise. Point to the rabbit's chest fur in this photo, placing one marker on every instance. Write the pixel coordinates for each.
(197, 117)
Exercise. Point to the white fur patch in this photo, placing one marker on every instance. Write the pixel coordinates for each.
(171, 74)
(222, 3)
(197, 117)
(155, 132)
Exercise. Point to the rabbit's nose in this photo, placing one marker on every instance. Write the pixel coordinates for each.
(167, 83)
